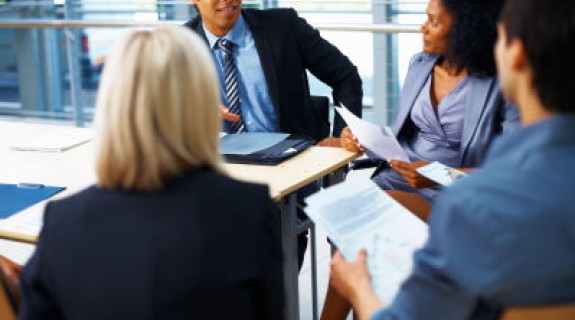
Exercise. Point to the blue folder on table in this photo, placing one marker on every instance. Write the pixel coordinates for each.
(16, 197)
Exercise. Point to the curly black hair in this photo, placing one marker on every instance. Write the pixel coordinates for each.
(473, 35)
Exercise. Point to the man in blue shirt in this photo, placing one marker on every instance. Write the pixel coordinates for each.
(272, 50)
(504, 236)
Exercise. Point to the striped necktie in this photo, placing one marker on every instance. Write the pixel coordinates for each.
(231, 83)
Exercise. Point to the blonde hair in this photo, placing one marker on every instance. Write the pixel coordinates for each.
(157, 110)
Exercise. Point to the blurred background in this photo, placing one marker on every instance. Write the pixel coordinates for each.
(52, 52)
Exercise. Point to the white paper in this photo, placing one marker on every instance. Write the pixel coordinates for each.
(357, 214)
(249, 142)
(379, 142)
(18, 252)
(58, 139)
(27, 222)
(440, 173)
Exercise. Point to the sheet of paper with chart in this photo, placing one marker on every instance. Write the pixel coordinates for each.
(379, 142)
(440, 173)
(358, 214)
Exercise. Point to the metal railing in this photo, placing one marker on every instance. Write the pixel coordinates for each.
(345, 27)
(80, 113)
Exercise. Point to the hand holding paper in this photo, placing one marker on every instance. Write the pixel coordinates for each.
(357, 214)
(349, 142)
(379, 142)
(440, 173)
(409, 172)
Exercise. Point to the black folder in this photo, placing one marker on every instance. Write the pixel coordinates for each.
(278, 152)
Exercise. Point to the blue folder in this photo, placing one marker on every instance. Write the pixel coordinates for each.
(16, 197)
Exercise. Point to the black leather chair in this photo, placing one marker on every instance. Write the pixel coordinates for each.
(320, 105)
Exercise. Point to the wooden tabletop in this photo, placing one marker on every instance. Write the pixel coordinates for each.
(296, 172)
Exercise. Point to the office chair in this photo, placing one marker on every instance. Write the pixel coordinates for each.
(320, 105)
(551, 312)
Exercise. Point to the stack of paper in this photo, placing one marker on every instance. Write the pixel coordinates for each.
(357, 214)
(58, 139)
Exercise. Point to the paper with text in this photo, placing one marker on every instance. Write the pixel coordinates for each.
(357, 214)
(379, 142)
(440, 173)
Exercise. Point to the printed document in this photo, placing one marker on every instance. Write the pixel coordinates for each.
(357, 214)
(379, 142)
(440, 173)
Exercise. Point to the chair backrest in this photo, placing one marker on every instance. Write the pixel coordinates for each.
(552, 312)
(7, 311)
(320, 104)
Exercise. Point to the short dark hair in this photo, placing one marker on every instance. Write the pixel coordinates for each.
(473, 35)
(547, 30)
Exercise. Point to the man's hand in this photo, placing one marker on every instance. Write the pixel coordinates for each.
(349, 141)
(407, 170)
(227, 115)
(351, 279)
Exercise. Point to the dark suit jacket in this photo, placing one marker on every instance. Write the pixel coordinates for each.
(287, 46)
(207, 247)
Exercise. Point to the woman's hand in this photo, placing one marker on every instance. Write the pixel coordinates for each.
(407, 171)
(349, 141)
(11, 274)
(227, 115)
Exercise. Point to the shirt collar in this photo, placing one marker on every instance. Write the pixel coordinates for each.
(236, 35)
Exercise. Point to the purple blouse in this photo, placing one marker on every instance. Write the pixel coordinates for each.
(437, 136)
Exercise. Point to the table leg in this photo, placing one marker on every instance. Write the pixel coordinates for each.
(313, 272)
(290, 263)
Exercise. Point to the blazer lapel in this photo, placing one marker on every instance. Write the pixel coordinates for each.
(477, 100)
(416, 77)
(263, 46)
(199, 29)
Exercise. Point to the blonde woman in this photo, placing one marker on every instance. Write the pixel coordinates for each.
(164, 234)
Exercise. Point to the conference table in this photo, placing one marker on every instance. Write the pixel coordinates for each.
(74, 169)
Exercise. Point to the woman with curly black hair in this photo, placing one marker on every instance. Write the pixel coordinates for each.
(451, 106)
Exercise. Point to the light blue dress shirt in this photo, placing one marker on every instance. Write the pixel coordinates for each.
(501, 237)
(257, 109)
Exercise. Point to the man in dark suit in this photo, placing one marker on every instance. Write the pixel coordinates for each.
(272, 49)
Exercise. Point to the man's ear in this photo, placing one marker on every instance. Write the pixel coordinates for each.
(518, 58)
